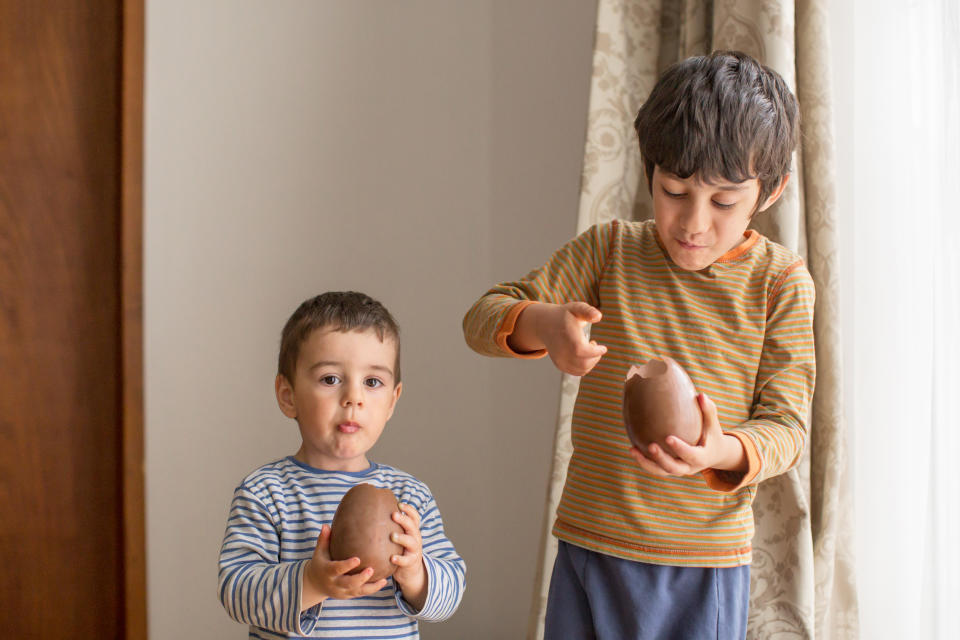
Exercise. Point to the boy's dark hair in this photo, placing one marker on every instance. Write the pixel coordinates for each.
(722, 115)
(339, 311)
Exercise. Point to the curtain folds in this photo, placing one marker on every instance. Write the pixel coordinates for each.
(803, 582)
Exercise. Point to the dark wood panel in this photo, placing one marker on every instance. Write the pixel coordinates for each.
(131, 321)
(61, 542)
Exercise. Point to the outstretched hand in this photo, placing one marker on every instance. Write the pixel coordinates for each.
(560, 330)
(714, 450)
(326, 578)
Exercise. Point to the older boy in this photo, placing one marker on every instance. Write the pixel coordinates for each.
(339, 378)
(653, 546)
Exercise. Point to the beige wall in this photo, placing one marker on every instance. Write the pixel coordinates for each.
(417, 151)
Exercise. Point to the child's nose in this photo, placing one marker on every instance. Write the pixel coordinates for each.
(696, 218)
(352, 395)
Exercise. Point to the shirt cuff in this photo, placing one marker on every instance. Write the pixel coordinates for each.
(730, 481)
(506, 330)
(309, 619)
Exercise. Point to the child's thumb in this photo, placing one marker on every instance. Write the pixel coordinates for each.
(584, 311)
(707, 407)
(323, 540)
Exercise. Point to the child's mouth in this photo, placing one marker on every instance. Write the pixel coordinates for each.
(348, 427)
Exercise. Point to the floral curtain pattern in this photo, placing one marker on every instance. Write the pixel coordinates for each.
(803, 569)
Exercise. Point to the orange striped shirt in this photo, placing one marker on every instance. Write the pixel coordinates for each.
(743, 330)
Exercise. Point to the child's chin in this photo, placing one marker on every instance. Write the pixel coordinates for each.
(687, 264)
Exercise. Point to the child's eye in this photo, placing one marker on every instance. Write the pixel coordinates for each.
(373, 383)
(671, 194)
(724, 205)
(329, 380)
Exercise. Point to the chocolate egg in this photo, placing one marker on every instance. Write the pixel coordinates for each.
(362, 527)
(659, 400)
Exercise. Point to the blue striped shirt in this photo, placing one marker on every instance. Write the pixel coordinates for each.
(272, 530)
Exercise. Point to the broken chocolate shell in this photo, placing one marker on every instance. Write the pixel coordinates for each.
(362, 527)
(659, 400)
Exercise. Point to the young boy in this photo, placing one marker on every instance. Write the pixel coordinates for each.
(655, 546)
(339, 378)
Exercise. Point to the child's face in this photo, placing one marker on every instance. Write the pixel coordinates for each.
(342, 395)
(699, 222)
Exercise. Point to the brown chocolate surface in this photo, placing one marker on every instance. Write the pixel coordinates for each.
(362, 527)
(659, 399)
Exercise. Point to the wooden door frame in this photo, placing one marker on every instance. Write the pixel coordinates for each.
(131, 320)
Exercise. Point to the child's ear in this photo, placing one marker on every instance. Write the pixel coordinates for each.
(284, 392)
(773, 197)
(396, 396)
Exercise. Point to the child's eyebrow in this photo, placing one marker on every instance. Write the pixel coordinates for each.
(334, 363)
(380, 367)
(324, 363)
(732, 187)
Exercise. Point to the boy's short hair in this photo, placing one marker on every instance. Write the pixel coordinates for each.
(724, 115)
(338, 311)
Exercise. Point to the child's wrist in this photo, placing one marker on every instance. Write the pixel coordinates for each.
(414, 588)
(310, 590)
(419, 576)
(526, 332)
(734, 456)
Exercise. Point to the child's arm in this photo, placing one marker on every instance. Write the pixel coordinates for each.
(545, 312)
(255, 587)
(774, 436)
(430, 575)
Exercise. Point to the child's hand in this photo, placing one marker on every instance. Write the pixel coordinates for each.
(715, 450)
(559, 329)
(325, 578)
(411, 574)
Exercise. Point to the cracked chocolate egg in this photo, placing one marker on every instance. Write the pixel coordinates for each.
(659, 400)
(362, 527)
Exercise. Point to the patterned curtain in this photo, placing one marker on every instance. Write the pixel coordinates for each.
(803, 582)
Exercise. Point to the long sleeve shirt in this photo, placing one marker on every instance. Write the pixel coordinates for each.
(275, 518)
(742, 329)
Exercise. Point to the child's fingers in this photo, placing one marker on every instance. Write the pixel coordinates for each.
(408, 518)
(411, 543)
(341, 567)
(589, 352)
(646, 463)
(665, 461)
(354, 582)
(405, 561)
(583, 358)
(372, 587)
(683, 451)
(413, 513)
(592, 362)
(595, 350)
(581, 367)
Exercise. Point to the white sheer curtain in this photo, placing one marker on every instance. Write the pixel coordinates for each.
(905, 320)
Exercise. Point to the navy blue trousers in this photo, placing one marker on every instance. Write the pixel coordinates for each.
(593, 595)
